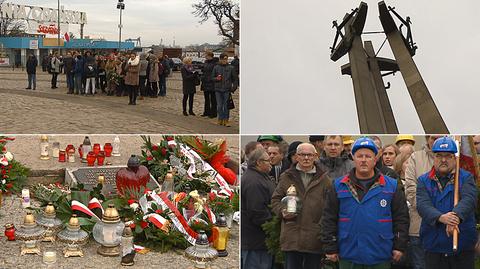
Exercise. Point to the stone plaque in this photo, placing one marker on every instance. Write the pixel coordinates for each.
(88, 176)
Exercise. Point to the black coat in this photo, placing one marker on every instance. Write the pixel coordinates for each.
(208, 84)
(256, 192)
(32, 65)
(189, 79)
(229, 78)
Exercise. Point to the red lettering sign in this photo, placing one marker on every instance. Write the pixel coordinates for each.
(50, 29)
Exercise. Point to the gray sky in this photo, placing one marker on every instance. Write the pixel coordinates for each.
(151, 20)
(290, 85)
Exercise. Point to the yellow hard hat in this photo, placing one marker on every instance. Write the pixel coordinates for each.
(405, 137)
(347, 139)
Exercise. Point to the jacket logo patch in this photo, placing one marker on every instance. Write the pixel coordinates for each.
(383, 203)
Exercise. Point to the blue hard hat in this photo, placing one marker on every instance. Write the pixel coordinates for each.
(364, 142)
(444, 144)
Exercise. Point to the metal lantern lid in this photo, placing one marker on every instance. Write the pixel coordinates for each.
(86, 141)
(127, 231)
(48, 218)
(133, 161)
(201, 251)
(292, 190)
(44, 138)
(72, 233)
(29, 230)
(111, 215)
(221, 220)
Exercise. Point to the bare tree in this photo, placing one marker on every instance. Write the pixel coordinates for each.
(226, 15)
(11, 27)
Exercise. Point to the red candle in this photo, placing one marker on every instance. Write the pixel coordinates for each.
(108, 149)
(10, 231)
(61, 156)
(96, 148)
(80, 151)
(100, 158)
(91, 158)
(70, 146)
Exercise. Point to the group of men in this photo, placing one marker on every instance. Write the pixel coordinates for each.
(351, 212)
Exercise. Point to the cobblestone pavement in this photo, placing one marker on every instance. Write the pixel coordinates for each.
(26, 150)
(47, 110)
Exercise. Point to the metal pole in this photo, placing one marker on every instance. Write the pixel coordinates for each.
(58, 28)
(120, 32)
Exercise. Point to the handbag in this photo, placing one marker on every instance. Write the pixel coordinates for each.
(230, 103)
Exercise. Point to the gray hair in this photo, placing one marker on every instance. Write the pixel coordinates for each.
(254, 157)
(307, 145)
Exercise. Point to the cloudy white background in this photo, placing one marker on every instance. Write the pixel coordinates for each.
(290, 85)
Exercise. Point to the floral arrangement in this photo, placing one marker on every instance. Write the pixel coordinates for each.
(13, 174)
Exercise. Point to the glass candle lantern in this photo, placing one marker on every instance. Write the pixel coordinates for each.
(100, 157)
(116, 147)
(91, 157)
(10, 231)
(108, 149)
(134, 176)
(49, 256)
(69, 146)
(108, 232)
(44, 148)
(30, 233)
(55, 149)
(291, 202)
(86, 148)
(62, 156)
(128, 251)
(74, 237)
(220, 235)
(201, 253)
(48, 220)
(96, 148)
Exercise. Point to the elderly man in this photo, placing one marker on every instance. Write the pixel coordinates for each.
(440, 217)
(300, 231)
(269, 140)
(365, 219)
(278, 161)
(257, 189)
(419, 163)
(334, 157)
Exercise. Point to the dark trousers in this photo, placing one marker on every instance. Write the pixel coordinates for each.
(153, 89)
(210, 107)
(463, 260)
(141, 85)
(132, 93)
(54, 80)
(302, 260)
(32, 80)
(188, 97)
(256, 259)
(162, 85)
(70, 82)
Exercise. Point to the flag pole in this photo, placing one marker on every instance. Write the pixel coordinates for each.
(456, 189)
(476, 166)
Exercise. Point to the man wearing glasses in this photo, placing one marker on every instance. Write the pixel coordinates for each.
(365, 220)
(300, 231)
(440, 217)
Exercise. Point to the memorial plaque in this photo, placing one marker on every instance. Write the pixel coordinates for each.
(88, 176)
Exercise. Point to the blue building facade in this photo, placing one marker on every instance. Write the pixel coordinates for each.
(17, 48)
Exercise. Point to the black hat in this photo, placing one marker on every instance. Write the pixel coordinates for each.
(292, 148)
(315, 138)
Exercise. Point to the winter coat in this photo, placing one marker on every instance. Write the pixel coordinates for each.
(257, 189)
(90, 67)
(432, 202)
(285, 164)
(153, 69)
(302, 233)
(338, 166)
(365, 228)
(166, 67)
(78, 68)
(419, 163)
(68, 64)
(55, 64)
(208, 84)
(32, 65)
(132, 68)
(143, 65)
(188, 80)
(229, 79)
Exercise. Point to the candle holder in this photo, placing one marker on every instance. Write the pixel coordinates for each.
(108, 149)
(116, 147)
(49, 256)
(201, 253)
(62, 156)
(128, 251)
(108, 232)
(86, 148)
(10, 231)
(100, 157)
(30, 233)
(44, 148)
(291, 203)
(96, 148)
(74, 237)
(50, 222)
(91, 157)
(71, 155)
(220, 235)
(55, 149)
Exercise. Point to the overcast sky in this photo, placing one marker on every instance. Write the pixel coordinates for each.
(290, 85)
(152, 20)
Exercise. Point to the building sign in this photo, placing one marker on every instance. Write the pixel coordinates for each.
(41, 14)
(33, 44)
(47, 29)
(4, 61)
(53, 42)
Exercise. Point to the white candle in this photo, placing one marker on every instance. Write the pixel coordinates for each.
(25, 198)
(50, 256)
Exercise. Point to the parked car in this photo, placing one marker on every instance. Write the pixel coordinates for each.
(176, 64)
(198, 64)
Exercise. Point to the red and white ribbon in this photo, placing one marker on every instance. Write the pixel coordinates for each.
(94, 203)
(177, 219)
(171, 143)
(4, 161)
(138, 248)
(210, 214)
(76, 205)
(157, 220)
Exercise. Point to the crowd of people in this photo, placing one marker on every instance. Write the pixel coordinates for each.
(361, 204)
(143, 75)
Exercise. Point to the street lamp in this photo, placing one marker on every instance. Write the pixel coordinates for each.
(121, 6)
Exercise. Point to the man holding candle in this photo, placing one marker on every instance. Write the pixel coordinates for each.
(441, 217)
